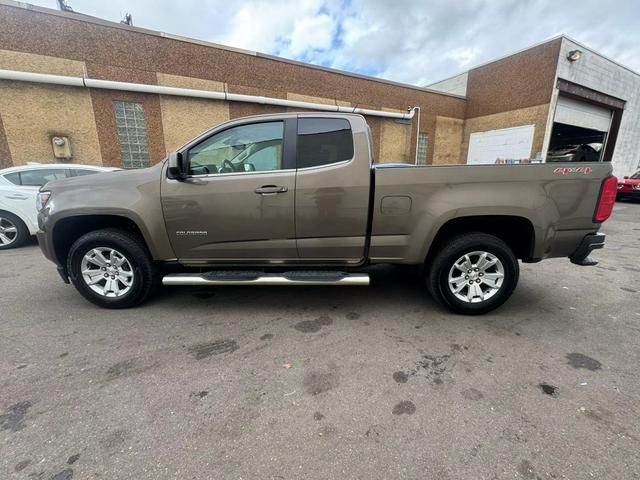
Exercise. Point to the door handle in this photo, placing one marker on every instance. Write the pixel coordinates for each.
(16, 196)
(270, 190)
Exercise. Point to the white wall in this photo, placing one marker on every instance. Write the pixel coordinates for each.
(506, 143)
(601, 74)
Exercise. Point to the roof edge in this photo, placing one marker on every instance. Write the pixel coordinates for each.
(77, 16)
(561, 36)
(595, 52)
(497, 59)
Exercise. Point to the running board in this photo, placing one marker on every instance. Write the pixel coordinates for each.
(242, 277)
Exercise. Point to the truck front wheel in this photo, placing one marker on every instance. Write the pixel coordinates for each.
(112, 268)
(473, 274)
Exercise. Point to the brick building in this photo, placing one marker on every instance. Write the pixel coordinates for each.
(512, 109)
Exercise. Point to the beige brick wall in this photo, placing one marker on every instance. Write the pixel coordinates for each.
(29, 62)
(448, 140)
(33, 113)
(395, 140)
(184, 118)
(308, 98)
(536, 115)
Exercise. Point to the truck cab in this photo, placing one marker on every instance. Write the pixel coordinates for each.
(287, 188)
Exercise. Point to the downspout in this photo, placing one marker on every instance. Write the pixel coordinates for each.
(85, 82)
(417, 109)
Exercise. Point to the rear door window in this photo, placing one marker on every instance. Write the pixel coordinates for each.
(40, 176)
(323, 141)
(79, 172)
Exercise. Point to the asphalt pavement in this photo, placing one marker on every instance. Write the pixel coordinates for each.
(326, 382)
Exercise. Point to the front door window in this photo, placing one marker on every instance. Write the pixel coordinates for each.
(246, 148)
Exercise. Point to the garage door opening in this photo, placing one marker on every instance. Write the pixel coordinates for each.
(579, 131)
(571, 143)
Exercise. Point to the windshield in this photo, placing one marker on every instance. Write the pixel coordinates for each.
(636, 176)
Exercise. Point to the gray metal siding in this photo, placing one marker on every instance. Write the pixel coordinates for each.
(599, 73)
(456, 85)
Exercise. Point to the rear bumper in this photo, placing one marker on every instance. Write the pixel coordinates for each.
(589, 243)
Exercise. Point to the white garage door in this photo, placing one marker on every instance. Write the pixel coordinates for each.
(505, 143)
(581, 114)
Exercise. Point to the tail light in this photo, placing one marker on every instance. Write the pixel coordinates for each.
(42, 199)
(607, 199)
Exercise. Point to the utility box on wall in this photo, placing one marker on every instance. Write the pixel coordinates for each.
(61, 147)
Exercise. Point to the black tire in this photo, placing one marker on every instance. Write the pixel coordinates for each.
(145, 277)
(22, 234)
(441, 263)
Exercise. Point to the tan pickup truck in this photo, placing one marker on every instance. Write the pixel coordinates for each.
(295, 199)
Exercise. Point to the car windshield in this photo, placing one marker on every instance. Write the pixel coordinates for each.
(636, 176)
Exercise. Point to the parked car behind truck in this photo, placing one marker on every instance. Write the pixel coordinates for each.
(295, 199)
(18, 190)
(629, 187)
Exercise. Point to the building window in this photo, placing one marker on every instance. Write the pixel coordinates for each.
(421, 156)
(132, 134)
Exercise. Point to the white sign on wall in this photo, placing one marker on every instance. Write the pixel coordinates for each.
(505, 143)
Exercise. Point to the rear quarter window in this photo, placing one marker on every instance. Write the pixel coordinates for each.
(322, 141)
(13, 178)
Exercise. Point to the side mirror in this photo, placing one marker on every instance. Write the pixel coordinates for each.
(176, 168)
(626, 177)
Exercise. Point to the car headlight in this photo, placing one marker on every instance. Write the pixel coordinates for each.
(42, 199)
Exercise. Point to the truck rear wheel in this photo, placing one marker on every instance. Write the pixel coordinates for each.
(112, 268)
(473, 274)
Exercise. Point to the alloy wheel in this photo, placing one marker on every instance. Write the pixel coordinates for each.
(476, 277)
(8, 231)
(107, 272)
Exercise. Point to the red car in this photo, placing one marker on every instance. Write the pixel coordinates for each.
(629, 187)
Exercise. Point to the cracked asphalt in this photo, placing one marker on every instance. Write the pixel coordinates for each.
(326, 382)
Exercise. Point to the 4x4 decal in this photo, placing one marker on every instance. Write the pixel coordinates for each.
(568, 170)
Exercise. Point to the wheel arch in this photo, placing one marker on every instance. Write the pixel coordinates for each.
(68, 229)
(516, 231)
(27, 223)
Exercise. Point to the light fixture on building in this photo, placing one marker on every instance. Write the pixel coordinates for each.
(574, 55)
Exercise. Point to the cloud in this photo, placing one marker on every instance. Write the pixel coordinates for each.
(464, 56)
(416, 42)
(311, 33)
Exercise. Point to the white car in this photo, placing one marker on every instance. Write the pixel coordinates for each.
(18, 190)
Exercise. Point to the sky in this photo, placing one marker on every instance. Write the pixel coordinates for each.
(416, 42)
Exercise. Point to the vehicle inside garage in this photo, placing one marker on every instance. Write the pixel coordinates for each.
(575, 144)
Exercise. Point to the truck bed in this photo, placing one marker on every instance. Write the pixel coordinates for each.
(412, 203)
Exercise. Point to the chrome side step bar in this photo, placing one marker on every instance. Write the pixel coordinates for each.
(261, 278)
